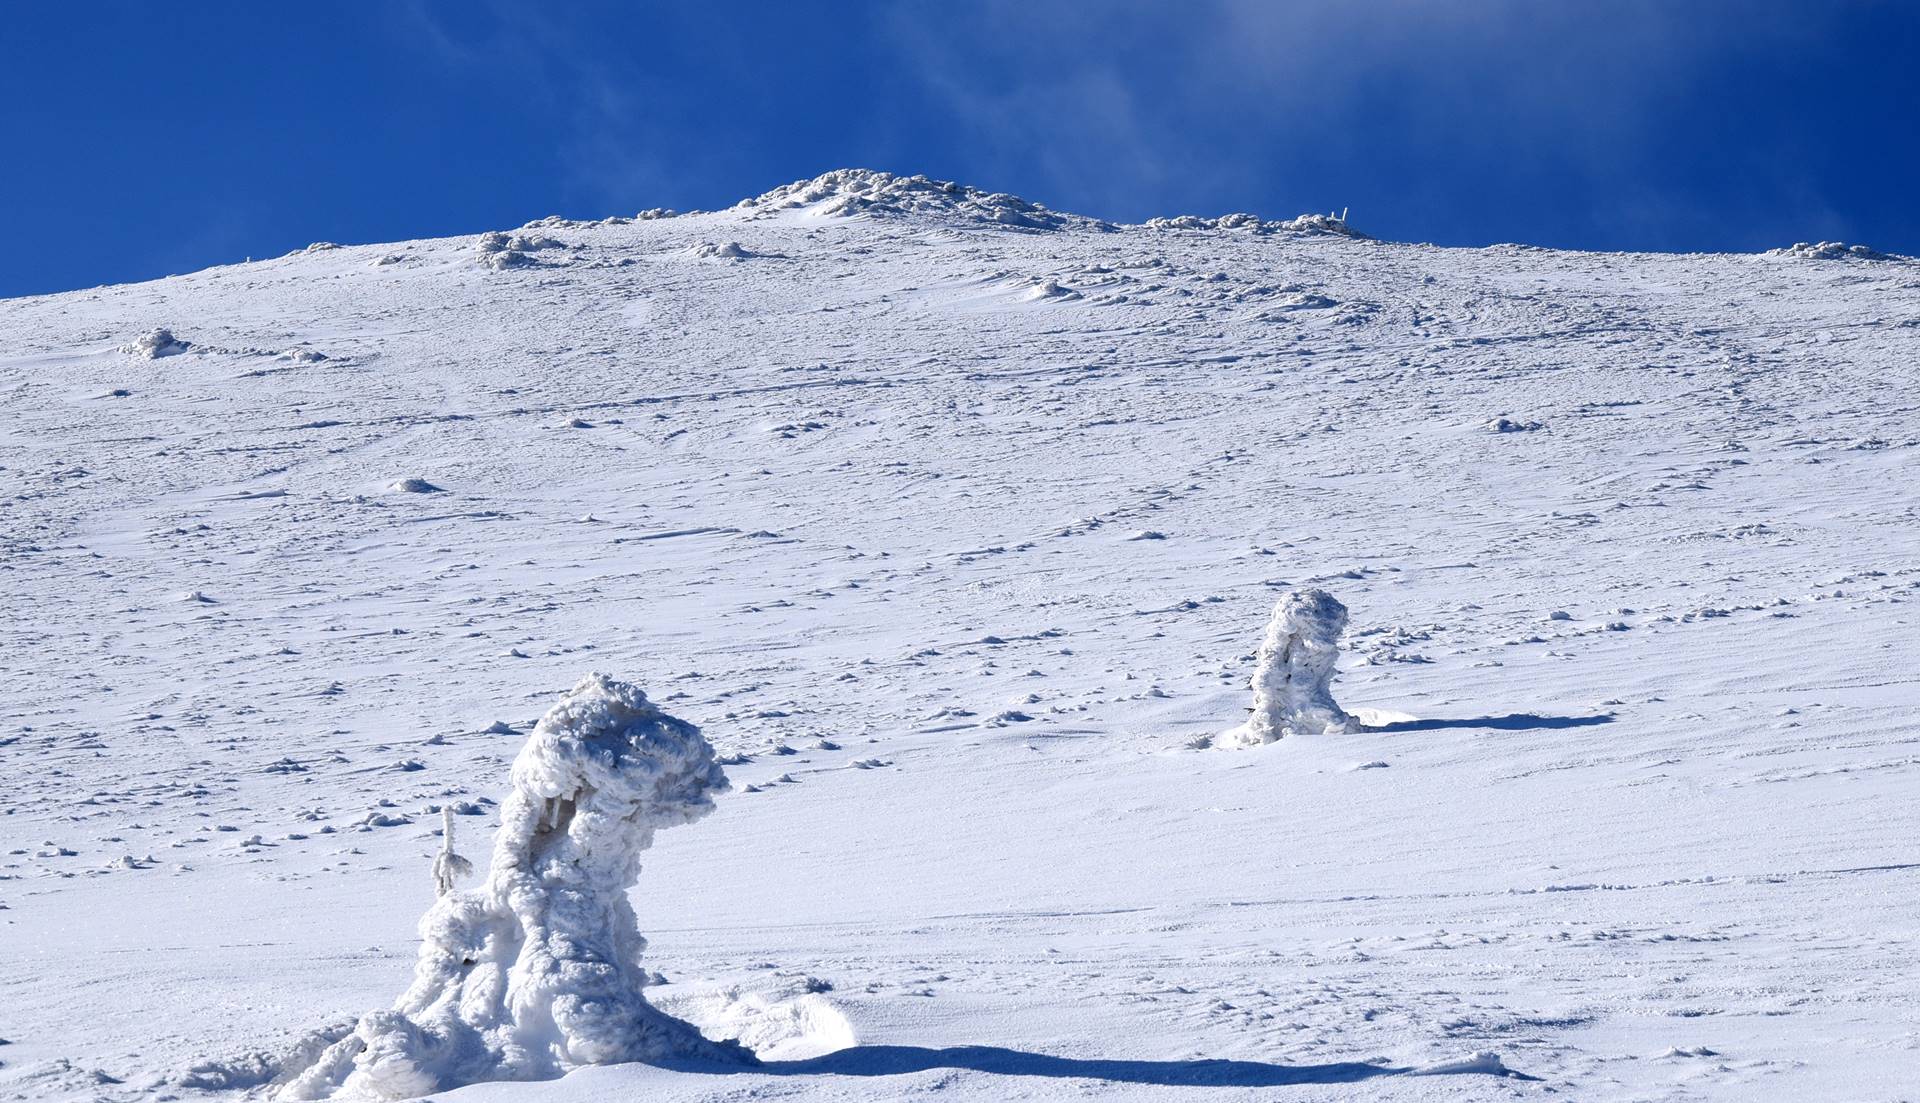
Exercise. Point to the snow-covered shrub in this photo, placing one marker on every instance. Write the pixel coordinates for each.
(1293, 674)
(538, 971)
(154, 344)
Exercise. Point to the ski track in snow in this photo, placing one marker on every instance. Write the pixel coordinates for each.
(954, 537)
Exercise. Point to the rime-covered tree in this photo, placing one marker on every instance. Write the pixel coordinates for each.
(538, 971)
(1293, 674)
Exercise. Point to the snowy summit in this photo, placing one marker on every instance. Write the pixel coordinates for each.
(849, 193)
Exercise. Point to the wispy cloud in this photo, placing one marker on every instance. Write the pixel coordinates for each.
(1133, 107)
(592, 99)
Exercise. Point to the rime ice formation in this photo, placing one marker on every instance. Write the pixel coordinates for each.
(1293, 676)
(448, 867)
(154, 344)
(537, 972)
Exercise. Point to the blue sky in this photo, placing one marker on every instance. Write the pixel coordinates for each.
(148, 138)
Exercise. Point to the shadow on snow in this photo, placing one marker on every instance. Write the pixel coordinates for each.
(884, 1060)
(1512, 722)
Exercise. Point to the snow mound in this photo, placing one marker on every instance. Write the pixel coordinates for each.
(797, 1028)
(707, 250)
(498, 249)
(850, 193)
(1827, 250)
(558, 222)
(537, 972)
(1328, 224)
(155, 343)
(414, 486)
(1486, 1062)
(1304, 300)
(1046, 290)
(1509, 425)
(1293, 674)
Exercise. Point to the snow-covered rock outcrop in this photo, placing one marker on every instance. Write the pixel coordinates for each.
(1827, 250)
(1293, 676)
(846, 193)
(1335, 225)
(538, 971)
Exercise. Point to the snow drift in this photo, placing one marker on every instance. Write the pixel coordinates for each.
(537, 971)
(1293, 675)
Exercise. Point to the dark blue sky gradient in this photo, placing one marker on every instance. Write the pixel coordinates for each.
(146, 139)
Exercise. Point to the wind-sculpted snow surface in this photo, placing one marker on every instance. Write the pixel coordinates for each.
(1293, 673)
(538, 971)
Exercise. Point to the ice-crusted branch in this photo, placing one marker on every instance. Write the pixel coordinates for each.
(448, 867)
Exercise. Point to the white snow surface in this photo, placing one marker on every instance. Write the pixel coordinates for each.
(1628, 815)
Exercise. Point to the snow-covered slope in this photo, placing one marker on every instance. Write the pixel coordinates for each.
(954, 522)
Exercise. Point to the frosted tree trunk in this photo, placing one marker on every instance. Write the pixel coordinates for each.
(1293, 674)
(538, 971)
